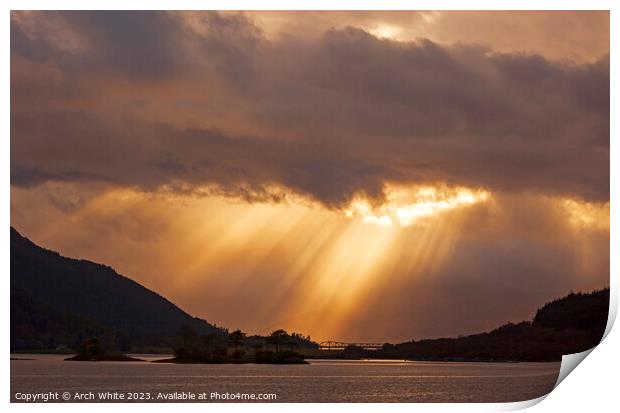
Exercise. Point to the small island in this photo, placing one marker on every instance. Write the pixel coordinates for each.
(260, 357)
(235, 349)
(91, 350)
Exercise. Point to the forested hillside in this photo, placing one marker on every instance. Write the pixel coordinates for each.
(57, 300)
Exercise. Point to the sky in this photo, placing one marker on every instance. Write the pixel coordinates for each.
(367, 176)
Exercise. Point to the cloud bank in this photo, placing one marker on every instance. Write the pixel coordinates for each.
(328, 118)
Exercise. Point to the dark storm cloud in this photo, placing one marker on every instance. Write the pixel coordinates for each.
(35, 49)
(338, 115)
(150, 155)
(379, 87)
(136, 44)
(141, 44)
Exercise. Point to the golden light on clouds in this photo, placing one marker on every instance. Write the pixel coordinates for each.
(571, 36)
(406, 206)
(594, 215)
(386, 31)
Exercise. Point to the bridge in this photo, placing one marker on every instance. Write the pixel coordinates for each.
(338, 345)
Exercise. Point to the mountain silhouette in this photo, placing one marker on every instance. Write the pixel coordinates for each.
(57, 300)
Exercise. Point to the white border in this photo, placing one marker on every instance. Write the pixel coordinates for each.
(592, 387)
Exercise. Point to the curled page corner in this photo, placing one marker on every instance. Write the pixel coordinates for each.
(569, 362)
(613, 310)
(522, 405)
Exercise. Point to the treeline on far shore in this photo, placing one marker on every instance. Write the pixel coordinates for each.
(567, 325)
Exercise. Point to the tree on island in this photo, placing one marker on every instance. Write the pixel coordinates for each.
(237, 338)
(278, 338)
(91, 347)
(92, 350)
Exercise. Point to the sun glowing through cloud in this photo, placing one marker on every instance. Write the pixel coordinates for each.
(405, 206)
(386, 31)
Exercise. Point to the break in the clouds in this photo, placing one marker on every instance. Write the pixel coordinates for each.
(151, 99)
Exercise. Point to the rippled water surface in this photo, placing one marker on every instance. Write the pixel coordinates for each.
(320, 381)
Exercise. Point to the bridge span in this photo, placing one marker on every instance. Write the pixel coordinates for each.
(339, 345)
